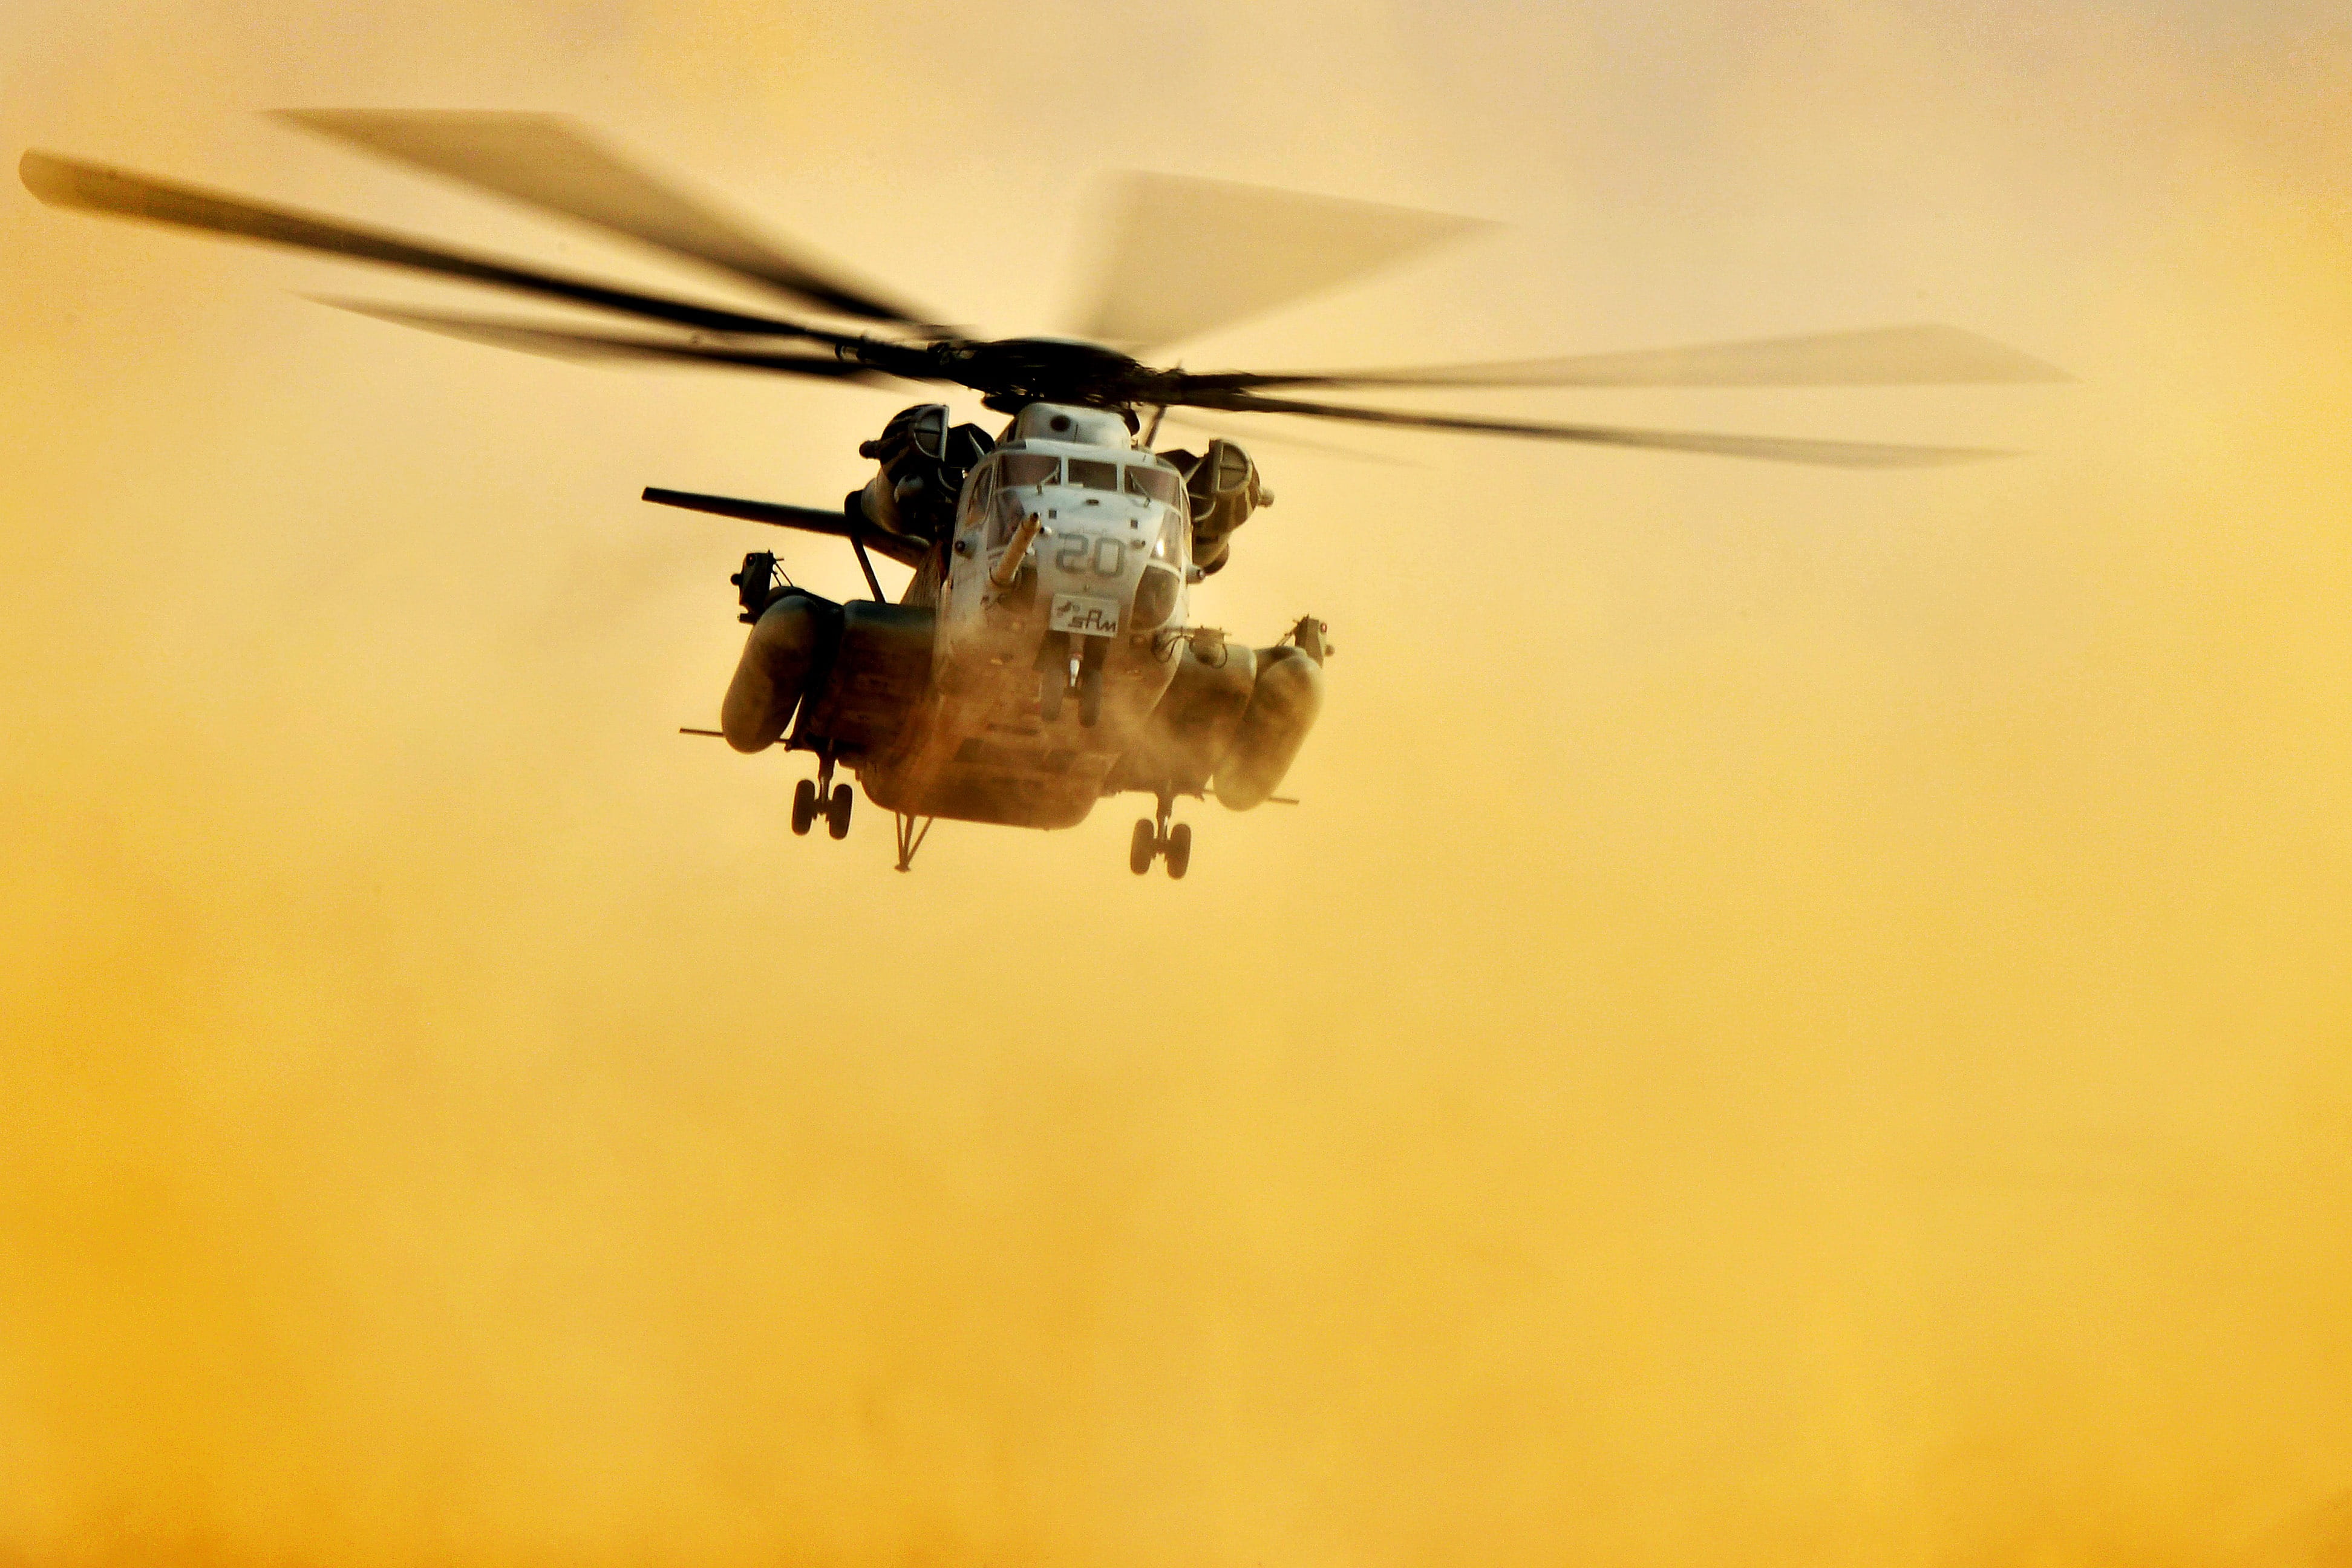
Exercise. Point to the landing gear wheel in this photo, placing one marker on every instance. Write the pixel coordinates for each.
(1180, 851)
(804, 807)
(1049, 696)
(1142, 846)
(1090, 698)
(836, 814)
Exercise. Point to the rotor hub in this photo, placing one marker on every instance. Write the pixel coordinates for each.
(1013, 371)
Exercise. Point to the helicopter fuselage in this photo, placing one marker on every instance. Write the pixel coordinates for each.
(1045, 670)
(1041, 657)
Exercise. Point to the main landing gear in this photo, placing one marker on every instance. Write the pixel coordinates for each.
(822, 797)
(1155, 839)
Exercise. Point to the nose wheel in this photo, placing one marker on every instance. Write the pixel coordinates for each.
(1154, 839)
(1084, 677)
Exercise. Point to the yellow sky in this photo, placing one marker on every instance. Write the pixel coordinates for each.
(1803, 1020)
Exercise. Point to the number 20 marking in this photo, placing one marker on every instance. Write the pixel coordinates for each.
(1106, 556)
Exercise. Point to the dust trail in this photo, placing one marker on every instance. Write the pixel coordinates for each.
(1802, 1020)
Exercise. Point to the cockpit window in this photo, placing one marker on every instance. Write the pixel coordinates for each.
(1029, 469)
(1007, 516)
(1093, 475)
(1170, 545)
(1159, 484)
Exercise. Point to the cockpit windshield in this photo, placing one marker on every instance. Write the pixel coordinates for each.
(1028, 469)
(1158, 484)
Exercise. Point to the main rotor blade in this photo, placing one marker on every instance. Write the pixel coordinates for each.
(1301, 443)
(1923, 355)
(1779, 449)
(1186, 255)
(808, 519)
(67, 182)
(547, 162)
(556, 343)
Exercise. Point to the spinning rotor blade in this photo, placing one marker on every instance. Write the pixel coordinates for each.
(1779, 449)
(547, 162)
(65, 182)
(1879, 356)
(1354, 454)
(1187, 255)
(555, 343)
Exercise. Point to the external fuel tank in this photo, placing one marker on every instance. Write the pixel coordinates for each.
(1283, 704)
(777, 657)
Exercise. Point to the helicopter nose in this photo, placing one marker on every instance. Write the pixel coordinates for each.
(1093, 566)
(1104, 549)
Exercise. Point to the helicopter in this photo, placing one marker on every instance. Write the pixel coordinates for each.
(1043, 654)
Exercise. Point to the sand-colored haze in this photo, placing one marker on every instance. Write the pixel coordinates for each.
(1804, 1020)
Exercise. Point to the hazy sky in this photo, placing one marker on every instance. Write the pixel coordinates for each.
(1803, 1020)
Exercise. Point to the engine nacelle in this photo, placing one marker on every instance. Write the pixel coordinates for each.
(925, 460)
(1224, 488)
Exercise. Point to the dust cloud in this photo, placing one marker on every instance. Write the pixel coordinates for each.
(1802, 1021)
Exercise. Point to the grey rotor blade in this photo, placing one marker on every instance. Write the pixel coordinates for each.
(547, 162)
(1183, 256)
(67, 182)
(1301, 443)
(1924, 355)
(1779, 449)
(563, 344)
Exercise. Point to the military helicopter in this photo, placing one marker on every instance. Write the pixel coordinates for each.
(1043, 654)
